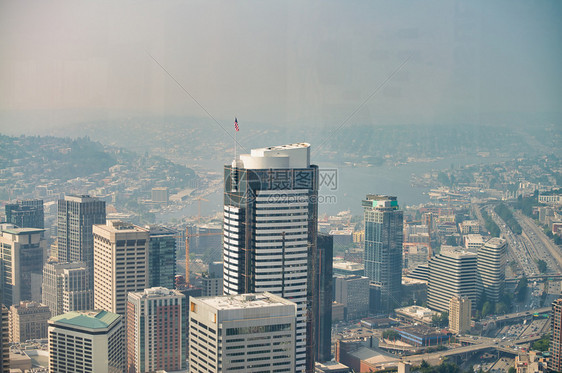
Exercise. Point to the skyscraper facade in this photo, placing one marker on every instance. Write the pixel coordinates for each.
(270, 225)
(28, 320)
(26, 213)
(212, 281)
(162, 257)
(156, 330)
(491, 268)
(76, 216)
(121, 263)
(66, 287)
(460, 311)
(556, 336)
(4, 339)
(353, 292)
(323, 297)
(87, 341)
(383, 247)
(242, 333)
(23, 252)
(452, 273)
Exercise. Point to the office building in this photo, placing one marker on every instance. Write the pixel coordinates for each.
(491, 268)
(323, 287)
(555, 363)
(26, 214)
(76, 216)
(121, 263)
(270, 225)
(452, 273)
(212, 280)
(156, 330)
(245, 333)
(66, 287)
(383, 247)
(4, 339)
(87, 341)
(28, 320)
(162, 257)
(460, 310)
(23, 252)
(353, 292)
(473, 242)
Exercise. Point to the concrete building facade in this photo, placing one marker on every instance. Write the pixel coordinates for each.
(353, 292)
(87, 341)
(121, 264)
(245, 333)
(491, 268)
(66, 287)
(28, 320)
(460, 311)
(156, 330)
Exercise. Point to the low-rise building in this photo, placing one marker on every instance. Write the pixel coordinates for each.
(28, 320)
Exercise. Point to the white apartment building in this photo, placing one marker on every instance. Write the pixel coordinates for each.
(242, 333)
(491, 268)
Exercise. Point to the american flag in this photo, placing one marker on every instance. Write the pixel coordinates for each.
(236, 124)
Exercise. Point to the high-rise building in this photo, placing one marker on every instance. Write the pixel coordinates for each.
(156, 330)
(556, 336)
(28, 320)
(87, 341)
(189, 293)
(245, 333)
(23, 252)
(212, 281)
(76, 216)
(26, 214)
(452, 273)
(460, 310)
(121, 263)
(491, 268)
(4, 340)
(162, 257)
(383, 247)
(66, 287)
(323, 285)
(353, 292)
(270, 225)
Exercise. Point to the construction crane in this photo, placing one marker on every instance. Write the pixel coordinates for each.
(187, 237)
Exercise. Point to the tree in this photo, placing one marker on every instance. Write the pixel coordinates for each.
(511, 370)
(541, 264)
(391, 334)
(451, 241)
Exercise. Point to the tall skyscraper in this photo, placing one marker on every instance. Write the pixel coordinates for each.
(383, 247)
(23, 252)
(556, 336)
(270, 225)
(460, 310)
(75, 218)
(245, 333)
(452, 273)
(323, 297)
(162, 257)
(26, 214)
(87, 341)
(66, 287)
(121, 263)
(491, 268)
(156, 330)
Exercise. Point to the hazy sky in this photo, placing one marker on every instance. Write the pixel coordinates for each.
(284, 63)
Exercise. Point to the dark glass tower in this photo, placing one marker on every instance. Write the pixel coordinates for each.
(383, 248)
(162, 257)
(26, 214)
(323, 297)
(270, 225)
(75, 217)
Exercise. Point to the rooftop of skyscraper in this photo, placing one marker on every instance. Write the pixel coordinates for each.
(86, 319)
(241, 301)
(281, 156)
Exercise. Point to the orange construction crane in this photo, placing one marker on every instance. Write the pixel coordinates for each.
(187, 237)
